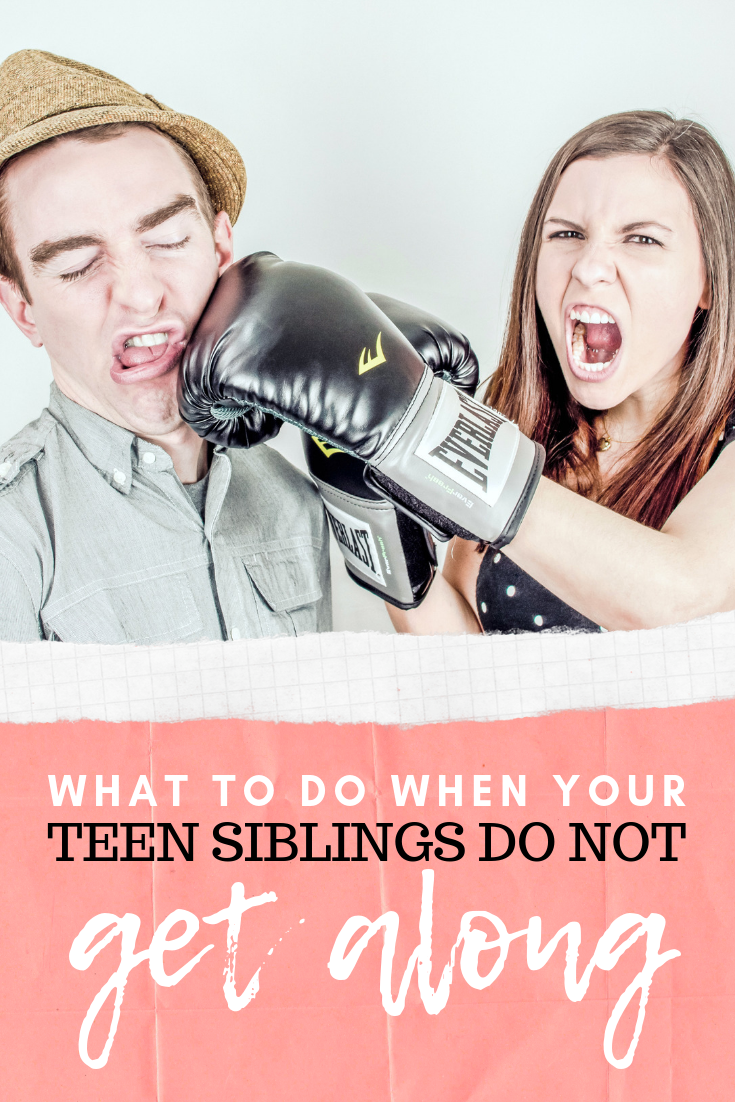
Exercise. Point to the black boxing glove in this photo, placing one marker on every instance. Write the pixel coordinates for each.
(222, 422)
(384, 550)
(442, 347)
(301, 344)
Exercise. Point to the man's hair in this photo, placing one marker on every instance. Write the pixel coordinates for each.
(10, 266)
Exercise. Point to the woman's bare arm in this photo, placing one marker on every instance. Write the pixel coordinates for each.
(624, 575)
(449, 606)
(615, 571)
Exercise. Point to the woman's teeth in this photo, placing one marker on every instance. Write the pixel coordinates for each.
(596, 339)
(593, 317)
(579, 349)
(146, 340)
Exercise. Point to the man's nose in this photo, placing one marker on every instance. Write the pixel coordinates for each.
(136, 286)
(595, 264)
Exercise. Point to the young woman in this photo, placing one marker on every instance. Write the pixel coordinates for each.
(619, 357)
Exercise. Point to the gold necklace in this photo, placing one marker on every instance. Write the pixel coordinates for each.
(606, 441)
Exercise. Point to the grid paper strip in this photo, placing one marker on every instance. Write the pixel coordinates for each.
(370, 677)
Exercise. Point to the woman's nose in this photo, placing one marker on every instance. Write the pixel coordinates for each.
(595, 264)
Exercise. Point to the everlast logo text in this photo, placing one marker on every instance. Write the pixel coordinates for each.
(356, 540)
(467, 447)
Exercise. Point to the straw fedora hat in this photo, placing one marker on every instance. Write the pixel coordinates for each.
(43, 96)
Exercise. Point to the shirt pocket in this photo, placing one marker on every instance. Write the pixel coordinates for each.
(141, 611)
(285, 576)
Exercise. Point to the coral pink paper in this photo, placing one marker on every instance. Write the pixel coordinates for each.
(311, 1033)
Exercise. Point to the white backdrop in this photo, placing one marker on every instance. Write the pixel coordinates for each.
(396, 141)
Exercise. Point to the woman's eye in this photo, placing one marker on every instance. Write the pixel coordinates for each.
(566, 235)
(642, 239)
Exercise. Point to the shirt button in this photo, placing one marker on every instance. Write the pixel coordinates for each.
(538, 621)
(119, 477)
(483, 607)
(496, 558)
(511, 591)
(235, 633)
(4, 469)
(149, 457)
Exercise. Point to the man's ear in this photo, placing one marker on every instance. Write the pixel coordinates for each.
(20, 310)
(223, 244)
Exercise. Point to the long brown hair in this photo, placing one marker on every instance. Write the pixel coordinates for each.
(528, 385)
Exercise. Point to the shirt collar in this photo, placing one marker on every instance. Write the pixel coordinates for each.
(113, 450)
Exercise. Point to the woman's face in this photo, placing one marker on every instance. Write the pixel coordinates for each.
(620, 276)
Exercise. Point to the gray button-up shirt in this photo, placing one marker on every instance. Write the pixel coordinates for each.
(100, 542)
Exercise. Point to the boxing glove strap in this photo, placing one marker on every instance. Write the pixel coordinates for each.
(459, 467)
(434, 522)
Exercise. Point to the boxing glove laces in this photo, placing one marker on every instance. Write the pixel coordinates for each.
(384, 550)
(301, 344)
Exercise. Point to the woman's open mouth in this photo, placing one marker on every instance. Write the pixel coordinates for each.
(593, 343)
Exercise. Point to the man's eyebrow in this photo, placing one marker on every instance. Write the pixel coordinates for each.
(156, 217)
(47, 250)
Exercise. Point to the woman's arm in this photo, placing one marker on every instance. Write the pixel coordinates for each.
(449, 606)
(624, 575)
(613, 570)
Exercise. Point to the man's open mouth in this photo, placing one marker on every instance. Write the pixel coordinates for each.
(593, 342)
(145, 357)
(143, 349)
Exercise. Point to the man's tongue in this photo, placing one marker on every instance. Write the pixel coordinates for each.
(134, 357)
(601, 342)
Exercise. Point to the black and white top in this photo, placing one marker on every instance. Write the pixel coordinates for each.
(509, 600)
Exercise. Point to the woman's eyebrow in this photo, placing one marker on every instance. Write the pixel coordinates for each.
(632, 227)
(565, 222)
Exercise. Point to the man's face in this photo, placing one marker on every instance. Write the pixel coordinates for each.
(119, 263)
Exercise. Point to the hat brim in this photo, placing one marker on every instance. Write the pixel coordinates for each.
(217, 159)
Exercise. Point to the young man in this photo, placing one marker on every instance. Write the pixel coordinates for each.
(117, 523)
